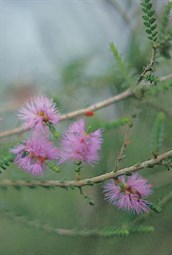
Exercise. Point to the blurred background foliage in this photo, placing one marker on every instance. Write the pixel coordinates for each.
(73, 64)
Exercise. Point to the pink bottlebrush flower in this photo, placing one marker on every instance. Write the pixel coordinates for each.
(128, 194)
(79, 146)
(33, 153)
(39, 111)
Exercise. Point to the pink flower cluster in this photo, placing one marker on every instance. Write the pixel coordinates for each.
(77, 145)
(33, 153)
(128, 194)
(38, 112)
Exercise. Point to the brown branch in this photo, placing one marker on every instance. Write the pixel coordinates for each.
(100, 105)
(126, 94)
(94, 107)
(15, 131)
(89, 181)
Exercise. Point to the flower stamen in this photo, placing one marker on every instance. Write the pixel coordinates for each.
(43, 115)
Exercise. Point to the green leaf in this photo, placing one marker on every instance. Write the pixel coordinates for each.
(145, 18)
(91, 202)
(154, 33)
(111, 232)
(149, 6)
(142, 229)
(146, 24)
(128, 173)
(144, 10)
(151, 13)
(3, 167)
(153, 27)
(90, 183)
(152, 20)
(155, 208)
(53, 167)
(144, 5)
(148, 31)
(150, 38)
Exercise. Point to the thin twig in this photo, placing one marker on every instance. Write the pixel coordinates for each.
(94, 107)
(123, 148)
(149, 66)
(66, 232)
(123, 231)
(126, 94)
(89, 181)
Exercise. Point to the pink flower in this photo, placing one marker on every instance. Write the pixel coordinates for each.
(128, 195)
(79, 146)
(31, 156)
(39, 111)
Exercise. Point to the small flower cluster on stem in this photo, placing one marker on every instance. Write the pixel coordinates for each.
(32, 154)
(78, 146)
(38, 112)
(128, 194)
(41, 115)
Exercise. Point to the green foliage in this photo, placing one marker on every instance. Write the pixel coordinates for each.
(167, 163)
(87, 198)
(141, 229)
(165, 33)
(119, 60)
(107, 232)
(64, 209)
(152, 78)
(54, 132)
(56, 101)
(107, 126)
(53, 167)
(78, 167)
(111, 232)
(162, 87)
(121, 65)
(165, 18)
(5, 161)
(149, 21)
(90, 183)
(158, 133)
(155, 208)
(116, 124)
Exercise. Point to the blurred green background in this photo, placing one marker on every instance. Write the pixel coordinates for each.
(76, 80)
